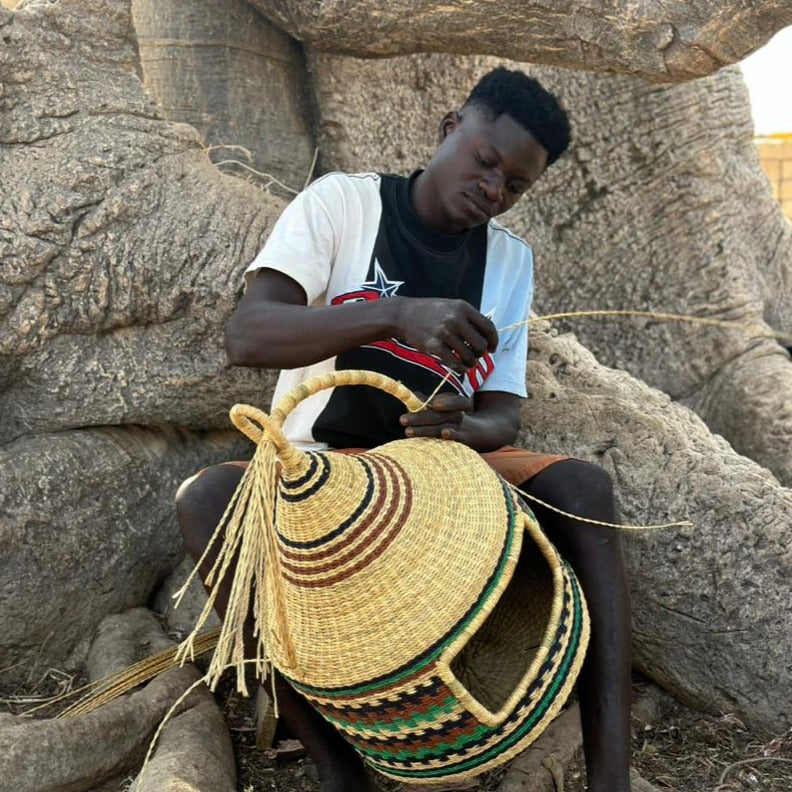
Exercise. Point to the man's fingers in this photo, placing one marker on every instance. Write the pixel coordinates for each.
(444, 431)
(451, 401)
(485, 328)
(432, 418)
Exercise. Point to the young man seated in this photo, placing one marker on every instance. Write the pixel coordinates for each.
(412, 277)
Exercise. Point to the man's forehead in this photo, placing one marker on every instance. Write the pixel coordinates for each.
(507, 136)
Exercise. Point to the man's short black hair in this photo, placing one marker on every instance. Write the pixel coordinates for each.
(528, 103)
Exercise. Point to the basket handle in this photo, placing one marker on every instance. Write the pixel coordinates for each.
(245, 417)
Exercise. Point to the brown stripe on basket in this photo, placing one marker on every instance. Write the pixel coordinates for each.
(364, 561)
(425, 673)
(348, 538)
(419, 697)
(459, 727)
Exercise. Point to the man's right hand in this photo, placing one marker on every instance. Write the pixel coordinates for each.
(451, 330)
(273, 328)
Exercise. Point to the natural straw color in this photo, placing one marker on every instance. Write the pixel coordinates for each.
(726, 324)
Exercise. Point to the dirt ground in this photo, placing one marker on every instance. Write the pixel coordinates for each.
(679, 750)
(673, 747)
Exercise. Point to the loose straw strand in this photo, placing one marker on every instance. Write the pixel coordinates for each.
(426, 403)
(660, 315)
(622, 526)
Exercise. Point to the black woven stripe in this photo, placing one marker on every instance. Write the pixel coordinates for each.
(428, 733)
(493, 739)
(286, 484)
(299, 496)
(381, 712)
(496, 734)
(328, 537)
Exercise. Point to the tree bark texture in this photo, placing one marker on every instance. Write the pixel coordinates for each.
(122, 251)
(231, 74)
(660, 41)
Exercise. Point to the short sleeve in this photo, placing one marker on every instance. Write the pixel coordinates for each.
(303, 243)
(509, 294)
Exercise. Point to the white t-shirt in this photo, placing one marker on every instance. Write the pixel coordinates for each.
(355, 237)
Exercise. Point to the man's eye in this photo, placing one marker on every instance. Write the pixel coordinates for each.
(516, 190)
(480, 159)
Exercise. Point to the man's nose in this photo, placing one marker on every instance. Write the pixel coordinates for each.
(492, 184)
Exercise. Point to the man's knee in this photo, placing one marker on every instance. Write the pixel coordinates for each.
(574, 484)
(201, 501)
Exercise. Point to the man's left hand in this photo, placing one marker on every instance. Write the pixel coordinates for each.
(443, 418)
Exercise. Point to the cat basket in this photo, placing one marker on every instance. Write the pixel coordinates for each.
(403, 592)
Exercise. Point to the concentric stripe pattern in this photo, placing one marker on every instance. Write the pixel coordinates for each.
(411, 726)
(371, 526)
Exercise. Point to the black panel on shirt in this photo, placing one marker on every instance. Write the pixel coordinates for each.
(429, 264)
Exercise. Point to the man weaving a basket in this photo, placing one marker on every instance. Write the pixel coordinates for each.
(412, 278)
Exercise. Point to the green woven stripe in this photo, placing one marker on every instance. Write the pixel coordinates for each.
(430, 753)
(431, 715)
(410, 670)
(518, 734)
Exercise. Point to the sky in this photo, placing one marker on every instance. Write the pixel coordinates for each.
(768, 73)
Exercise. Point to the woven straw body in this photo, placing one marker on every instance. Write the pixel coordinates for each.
(419, 608)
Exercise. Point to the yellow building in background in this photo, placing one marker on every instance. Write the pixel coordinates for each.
(775, 154)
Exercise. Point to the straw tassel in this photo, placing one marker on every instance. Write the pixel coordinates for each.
(250, 543)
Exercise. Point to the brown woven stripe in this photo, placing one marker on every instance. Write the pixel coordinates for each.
(347, 538)
(396, 526)
(428, 738)
(416, 700)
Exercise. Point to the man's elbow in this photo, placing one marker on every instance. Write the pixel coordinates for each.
(239, 350)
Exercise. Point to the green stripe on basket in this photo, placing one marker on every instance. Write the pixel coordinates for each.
(429, 753)
(430, 715)
(518, 734)
(410, 670)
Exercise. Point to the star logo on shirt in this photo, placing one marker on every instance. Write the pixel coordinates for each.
(381, 285)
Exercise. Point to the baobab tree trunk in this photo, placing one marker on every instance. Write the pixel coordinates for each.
(123, 248)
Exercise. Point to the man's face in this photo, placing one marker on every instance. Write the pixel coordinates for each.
(481, 168)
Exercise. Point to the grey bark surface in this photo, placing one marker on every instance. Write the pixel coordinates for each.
(87, 527)
(223, 68)
(660, 41)
(183, 618)
(659, 205)
(712, 604)
(75, 754)
(122, 245)
(123, 249)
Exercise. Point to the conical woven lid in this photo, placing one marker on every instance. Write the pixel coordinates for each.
(383, 554)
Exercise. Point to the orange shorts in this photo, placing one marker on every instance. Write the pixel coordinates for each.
(516, 465)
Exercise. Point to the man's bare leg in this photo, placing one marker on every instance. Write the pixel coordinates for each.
(200, 504)
(595, 553)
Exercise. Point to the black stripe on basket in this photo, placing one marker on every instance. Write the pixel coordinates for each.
(378, 684)
(465, 758)
(286, 484)
(328, 537)
(299, 496)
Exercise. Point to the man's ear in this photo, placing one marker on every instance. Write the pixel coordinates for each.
(449, 123)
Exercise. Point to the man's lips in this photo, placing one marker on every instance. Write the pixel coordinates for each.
(478, 206)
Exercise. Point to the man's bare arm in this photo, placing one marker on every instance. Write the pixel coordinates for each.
(273, 327)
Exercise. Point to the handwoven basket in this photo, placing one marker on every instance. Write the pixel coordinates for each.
(412, 600)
